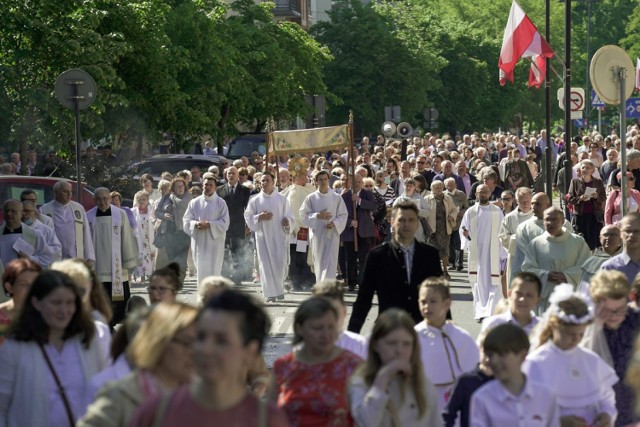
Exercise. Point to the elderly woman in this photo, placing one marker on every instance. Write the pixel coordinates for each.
(441, 217)
(162, 354)
(611, 335)
(587, 195)
(613, 209)
(517, 173)
(411, 195)
(170, 211)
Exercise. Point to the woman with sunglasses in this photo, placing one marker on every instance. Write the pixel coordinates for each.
(613, 208)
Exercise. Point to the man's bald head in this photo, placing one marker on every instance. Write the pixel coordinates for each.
(12, 209)
(553, 221)
(540, 202)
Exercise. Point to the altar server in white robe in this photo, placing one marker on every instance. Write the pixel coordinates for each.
(325, 213)
(207, 221)
(70, 223)
(479, 234)
(116, 250)
(556, 256)
(14, 236)
(532, 228)
(447, 351)
(510, 224)
(30, 218)
(581, 380)
(269, 216)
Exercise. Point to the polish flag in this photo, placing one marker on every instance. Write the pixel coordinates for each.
(522, 40)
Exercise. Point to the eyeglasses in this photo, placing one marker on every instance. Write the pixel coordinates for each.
(507, 199)
(421, 163)
(368, 186)
(34, 200)
(159, 289)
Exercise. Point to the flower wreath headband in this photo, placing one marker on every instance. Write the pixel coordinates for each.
(562, 293)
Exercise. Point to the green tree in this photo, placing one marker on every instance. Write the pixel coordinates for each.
(374, 65)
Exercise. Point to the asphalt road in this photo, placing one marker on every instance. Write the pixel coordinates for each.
(282, 312)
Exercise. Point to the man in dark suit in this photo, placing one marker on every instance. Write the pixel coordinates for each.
(238, 256)
(395, 269)
(366, 204)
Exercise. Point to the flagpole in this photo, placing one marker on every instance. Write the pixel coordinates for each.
(547, 106)
(567, 104)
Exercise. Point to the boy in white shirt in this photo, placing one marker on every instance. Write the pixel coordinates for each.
(511, 399)
(524, 296)
(447, 351)
(333, 290)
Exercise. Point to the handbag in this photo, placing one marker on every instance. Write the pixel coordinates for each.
(63, 394)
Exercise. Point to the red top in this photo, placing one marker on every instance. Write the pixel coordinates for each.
(183, 411)
(315, 395)
(5, 322)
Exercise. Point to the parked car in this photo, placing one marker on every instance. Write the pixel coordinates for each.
(244, 145)
(12, 185)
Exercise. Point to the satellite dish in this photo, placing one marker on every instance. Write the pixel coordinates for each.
(605, 64)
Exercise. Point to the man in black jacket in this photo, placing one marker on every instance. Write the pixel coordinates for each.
(238, 254)
(395, 269)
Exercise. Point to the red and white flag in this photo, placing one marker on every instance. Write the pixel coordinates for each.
(522, 40)
(637, 73)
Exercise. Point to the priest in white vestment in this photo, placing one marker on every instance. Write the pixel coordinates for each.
(116, 250)
(70, 223)
(269, 216)
(479, 234)
(611, 245)
(556, 256)
(30, 218)
(300, 255)
(510, 224)
(30, 195)
(325, 213)
(207, 221)
(20, 240)
(532, 228)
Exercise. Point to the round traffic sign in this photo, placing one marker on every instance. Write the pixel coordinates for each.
(66, 91)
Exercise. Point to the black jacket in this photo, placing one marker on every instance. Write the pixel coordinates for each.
(236, 204)
(385, 274)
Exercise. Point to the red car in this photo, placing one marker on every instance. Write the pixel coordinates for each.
(12, 185)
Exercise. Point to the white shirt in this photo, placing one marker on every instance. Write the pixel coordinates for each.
(494, 405)
(355, 343)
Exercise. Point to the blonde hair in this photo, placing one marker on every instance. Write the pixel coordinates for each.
(211, 285)
(140, 195)
(609, 284)
(75, 269)
(389, 321)
(164, 322)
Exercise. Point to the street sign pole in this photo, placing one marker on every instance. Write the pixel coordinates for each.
(76, 113)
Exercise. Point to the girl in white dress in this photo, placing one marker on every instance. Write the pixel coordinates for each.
(582, 381)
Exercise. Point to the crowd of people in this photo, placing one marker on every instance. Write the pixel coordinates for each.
(556, 298)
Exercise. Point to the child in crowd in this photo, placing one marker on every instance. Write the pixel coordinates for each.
(389, 389)
(512, 399)
(458, 409)
(333, 290)
(582, 381)
(447, 350)
(524, 296)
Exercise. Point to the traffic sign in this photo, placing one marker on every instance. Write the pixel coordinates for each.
(577, 98)
(595, 100)
(633, 108)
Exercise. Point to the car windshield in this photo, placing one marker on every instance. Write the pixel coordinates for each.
(244, 147)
